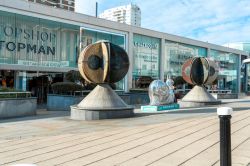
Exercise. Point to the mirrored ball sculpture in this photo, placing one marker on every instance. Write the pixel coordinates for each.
(102, 63)
(158, 93)
(199, 71)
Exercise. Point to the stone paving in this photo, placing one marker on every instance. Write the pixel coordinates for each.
(187, 137)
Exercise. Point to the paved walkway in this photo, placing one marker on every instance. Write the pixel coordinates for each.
(176, 138)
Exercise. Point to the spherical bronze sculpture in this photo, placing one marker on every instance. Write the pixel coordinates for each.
(103, 62)
(199, 71)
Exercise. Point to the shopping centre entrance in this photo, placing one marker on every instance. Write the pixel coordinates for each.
(38, 83)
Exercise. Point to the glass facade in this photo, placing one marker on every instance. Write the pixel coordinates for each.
(146, 57)
(31, 41)
(243, 75)
(228, 69)
(176, 54)
(248, 77)
(89, 36)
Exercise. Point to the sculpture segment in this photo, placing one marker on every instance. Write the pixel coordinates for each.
(102, 63)
(199, 72)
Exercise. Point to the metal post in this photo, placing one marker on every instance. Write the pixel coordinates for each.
(96, 9)
(225, 135)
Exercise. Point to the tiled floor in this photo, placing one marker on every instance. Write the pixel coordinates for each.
(175, 138)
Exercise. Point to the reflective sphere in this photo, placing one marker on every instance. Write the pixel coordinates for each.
(199, 71)
(170, 82)
(103, 62)
(158, 92)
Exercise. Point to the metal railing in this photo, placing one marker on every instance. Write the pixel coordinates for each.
(209, 90)
(220, 91)
(85, 92)
(15, 94)
(80, 93)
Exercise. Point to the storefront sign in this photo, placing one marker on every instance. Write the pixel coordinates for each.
(145, 45)
(11, 46)
(27, 36)
(44, 63)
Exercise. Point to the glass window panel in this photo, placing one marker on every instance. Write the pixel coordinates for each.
(146, 55)
(7, 38)
(176, 54)
(69, 44)
(228, 69)
(32, 41)
(89, 36)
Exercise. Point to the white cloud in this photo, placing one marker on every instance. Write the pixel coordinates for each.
(215, 21)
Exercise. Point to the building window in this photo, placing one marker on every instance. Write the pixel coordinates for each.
(146, 53)
(228, 69)
(89, 36)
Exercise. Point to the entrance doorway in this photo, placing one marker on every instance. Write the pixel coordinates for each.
(39, 84)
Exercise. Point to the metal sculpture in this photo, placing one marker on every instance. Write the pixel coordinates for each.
(170, 84)
(161, 93)
(158, 92)
(102, 63)
(199, 71)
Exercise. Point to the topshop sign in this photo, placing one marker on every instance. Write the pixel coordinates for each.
(13, 35)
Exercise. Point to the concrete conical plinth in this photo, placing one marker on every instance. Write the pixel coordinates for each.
(101, 103)
(198, 96)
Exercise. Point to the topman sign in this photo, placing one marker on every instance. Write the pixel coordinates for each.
(26, 38)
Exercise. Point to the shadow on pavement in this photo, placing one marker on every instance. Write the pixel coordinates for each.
(41, 114)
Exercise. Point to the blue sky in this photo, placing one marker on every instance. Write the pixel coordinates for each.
(213, 21)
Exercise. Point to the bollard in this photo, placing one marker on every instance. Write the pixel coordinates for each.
(225, 135)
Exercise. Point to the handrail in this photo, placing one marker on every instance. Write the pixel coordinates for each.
(12, 92)
(87, 91)
(209, 90)
(218, 91)
(27, 94)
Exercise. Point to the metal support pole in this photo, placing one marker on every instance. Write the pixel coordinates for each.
(225, 135)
